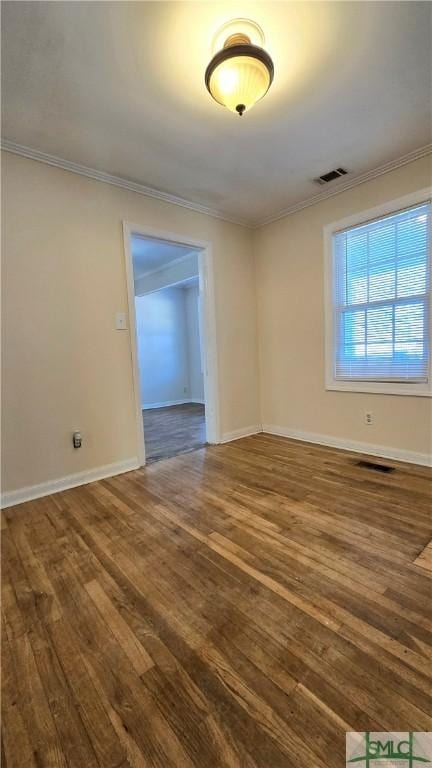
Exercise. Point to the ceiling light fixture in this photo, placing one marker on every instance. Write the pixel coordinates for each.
(241, 73)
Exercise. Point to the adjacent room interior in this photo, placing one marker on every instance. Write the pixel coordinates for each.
(169, 347)
(216, 470)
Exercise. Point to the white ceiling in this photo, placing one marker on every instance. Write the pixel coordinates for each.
(151, 255)
(119, 87)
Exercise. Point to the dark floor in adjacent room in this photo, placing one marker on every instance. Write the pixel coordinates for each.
(173, 430)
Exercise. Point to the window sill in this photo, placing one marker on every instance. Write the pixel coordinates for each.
(380, 388)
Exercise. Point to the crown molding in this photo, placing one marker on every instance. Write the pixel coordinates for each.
(348, 184)
(141, 189)
(116, 181)
(168, 265)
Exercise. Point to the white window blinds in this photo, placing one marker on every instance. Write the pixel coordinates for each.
(381, 284)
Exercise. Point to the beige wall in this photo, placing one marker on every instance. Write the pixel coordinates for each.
(64, 365)
(289, 277)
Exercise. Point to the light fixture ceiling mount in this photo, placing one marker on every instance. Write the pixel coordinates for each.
(241, 73)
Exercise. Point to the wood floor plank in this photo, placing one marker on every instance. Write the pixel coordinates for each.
(35, 709)
(72, 733)
(241, 606)
(113, 674)
(93, 713)
(424, 560)
(18, 751)
(137, 654)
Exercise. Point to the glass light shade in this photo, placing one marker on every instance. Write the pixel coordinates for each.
(240, 74)
(240, 80)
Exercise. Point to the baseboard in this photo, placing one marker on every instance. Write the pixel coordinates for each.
(236, 434)
(167, 403)
(385, 452)
(10, 498)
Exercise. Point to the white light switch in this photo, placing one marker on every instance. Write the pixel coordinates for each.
(120, 321)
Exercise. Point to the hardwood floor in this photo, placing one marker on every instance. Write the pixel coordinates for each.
(173, 430)
(424, 560)
(242, 606)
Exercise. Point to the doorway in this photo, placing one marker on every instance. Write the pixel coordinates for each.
(173, 342)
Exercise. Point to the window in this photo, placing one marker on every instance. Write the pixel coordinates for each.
(380, 302)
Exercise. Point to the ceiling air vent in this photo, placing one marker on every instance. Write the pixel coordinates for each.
(331, 176)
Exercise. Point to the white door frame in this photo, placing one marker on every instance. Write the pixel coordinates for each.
(207, 291)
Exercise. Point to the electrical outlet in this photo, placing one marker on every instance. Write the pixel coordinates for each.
(77, 439)
(368, 417)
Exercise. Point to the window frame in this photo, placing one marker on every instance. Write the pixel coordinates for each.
(422, 389)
